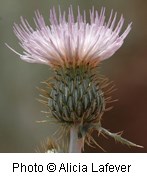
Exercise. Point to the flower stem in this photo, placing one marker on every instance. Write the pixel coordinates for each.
(75, 144)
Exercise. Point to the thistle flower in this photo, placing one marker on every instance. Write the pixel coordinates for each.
(73, 48)
(70, 42)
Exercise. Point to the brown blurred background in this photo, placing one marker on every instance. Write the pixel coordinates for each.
(18, 80)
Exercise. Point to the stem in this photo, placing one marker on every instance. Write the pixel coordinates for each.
(118, 138)
(75, 144)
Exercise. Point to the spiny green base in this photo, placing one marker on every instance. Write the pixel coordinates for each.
(76, 96)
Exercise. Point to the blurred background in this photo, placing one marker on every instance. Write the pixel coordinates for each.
(19, 109)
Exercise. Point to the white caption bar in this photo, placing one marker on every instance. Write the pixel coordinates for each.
(73, 167)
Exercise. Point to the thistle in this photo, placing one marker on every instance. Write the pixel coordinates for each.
(76, 96)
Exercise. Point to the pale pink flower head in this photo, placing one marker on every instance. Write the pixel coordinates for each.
(70, 41)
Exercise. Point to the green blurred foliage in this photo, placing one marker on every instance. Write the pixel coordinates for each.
(18, 80)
